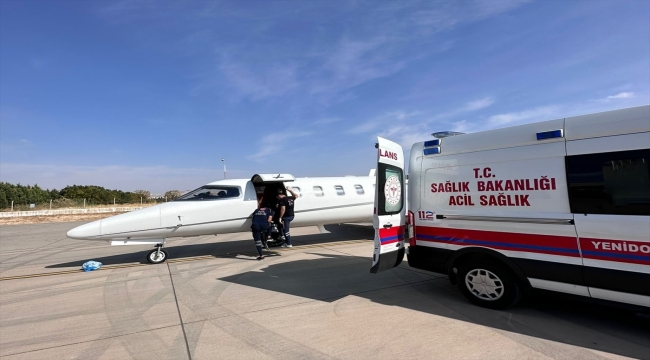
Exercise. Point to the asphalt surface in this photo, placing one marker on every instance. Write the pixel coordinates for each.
(212, 299)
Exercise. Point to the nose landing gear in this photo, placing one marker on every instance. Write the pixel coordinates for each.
(158, 255)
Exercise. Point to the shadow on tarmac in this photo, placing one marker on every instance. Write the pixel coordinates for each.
(229, 249)
(332, 277)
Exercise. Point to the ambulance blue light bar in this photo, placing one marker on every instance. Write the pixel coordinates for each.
(431, 143)
(432, 151)
(550, 134)
(444, 134)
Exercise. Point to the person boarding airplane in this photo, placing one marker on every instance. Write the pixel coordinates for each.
(286, 215)
(261, 219)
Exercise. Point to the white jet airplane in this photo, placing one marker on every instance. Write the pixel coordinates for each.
(226, 206)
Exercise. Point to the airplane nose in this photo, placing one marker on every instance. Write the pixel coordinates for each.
(85, 231)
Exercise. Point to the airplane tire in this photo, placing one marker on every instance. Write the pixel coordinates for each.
(153, 259)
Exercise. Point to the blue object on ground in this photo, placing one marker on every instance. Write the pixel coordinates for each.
(91, 265)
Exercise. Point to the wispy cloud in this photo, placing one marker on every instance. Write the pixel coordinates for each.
(437, 16)
(383, 121)
(272, 144)
(403, 115)
(354, 62)
(529, 115)
(478, 104)
(381, 44)
(465, 108)
(623, 95)
(461, 126)
(546, 112)
(272, 80)
(408, 133)
(617, 97)
(364, 127)
(408, 127)
(325, 121)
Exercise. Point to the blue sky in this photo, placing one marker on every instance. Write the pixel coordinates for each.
(144, 94)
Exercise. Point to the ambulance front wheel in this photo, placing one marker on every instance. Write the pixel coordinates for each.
(488, 284)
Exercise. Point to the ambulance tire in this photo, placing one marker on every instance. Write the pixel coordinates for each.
(488, 284)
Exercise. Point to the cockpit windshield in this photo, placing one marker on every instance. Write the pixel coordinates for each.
(212, 192)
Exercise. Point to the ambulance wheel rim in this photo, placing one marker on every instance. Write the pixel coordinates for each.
(484, 284)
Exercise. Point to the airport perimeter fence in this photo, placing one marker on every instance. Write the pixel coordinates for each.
(97, 210)
(65, 206)
(82, 205)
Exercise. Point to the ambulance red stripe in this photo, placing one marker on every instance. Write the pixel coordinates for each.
(391, 235)
(544, 244)
(634, 252)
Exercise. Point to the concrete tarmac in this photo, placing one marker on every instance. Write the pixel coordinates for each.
(212, 299)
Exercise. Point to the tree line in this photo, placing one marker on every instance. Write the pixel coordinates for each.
(96, 195)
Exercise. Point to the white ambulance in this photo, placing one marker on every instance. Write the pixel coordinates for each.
(560, 205)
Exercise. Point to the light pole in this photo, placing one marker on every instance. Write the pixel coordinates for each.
(224, 168)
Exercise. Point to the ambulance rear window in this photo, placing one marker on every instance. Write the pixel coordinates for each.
(616, 183)
(390, 180)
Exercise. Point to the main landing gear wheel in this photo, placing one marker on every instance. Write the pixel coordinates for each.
(488, 284)
(157, 256)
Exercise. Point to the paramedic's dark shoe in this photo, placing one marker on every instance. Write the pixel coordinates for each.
(286, 246)
(260, 258)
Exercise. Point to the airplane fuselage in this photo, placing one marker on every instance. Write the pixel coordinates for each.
(322, 201)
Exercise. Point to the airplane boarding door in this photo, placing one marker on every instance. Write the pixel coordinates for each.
(390, 207)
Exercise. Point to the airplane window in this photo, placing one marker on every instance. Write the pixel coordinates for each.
(359, 189)
(339, 190)
(296, 190)
(212, 192)
(318, 191)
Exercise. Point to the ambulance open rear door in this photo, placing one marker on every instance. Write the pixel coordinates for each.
(390, 207)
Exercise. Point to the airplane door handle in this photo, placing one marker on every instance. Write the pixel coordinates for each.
(388, 226)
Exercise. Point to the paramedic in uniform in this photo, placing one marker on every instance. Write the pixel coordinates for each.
(285, 213)
(262, 218)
